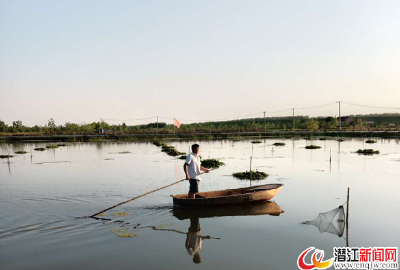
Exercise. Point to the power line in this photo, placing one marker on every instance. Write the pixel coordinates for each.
(367, 106)
(253, 114)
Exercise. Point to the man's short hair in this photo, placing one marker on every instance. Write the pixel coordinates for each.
(194, 146)
(197, 258)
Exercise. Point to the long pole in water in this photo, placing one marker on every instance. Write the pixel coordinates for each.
(140, 196)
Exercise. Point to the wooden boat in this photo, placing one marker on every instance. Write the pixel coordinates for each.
(249, 209)
(229, 196)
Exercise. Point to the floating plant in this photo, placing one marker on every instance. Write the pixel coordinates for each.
(250, 175)
(6, 156)
(211, 163)
(121, 214)
(126, 235)
(20, 152)
(51, 146)
(340, 140)
(279, 144)
(367, 152)
(171, 151)
(61, 144)
(40, 149)
(370, 141)
(313, 147)
(159, 144)
(182, 157)
(256, 141)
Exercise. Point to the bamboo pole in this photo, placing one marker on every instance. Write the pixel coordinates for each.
(140, 196)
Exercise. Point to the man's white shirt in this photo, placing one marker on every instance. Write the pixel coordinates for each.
(194, 166)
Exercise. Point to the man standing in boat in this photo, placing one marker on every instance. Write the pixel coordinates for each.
(192, 170)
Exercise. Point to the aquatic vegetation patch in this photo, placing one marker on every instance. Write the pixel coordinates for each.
(256, 141)
(122, 232)
(340, 140)
(126, 235)
(101, 215)
(367, 152)
(122, 152)
(61, 144)
(313, 147)
(250, 175)
(20, 152)
(165, 226)
(159, 144)
(211, 163)
(322, 139)
(182, 157)
(6, 156)
(121, 214)
(279, 144)
(40, 149)
(171, 151)
(51, 146)
(370, 141)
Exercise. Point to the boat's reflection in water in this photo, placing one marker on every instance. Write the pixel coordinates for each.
(194, 238)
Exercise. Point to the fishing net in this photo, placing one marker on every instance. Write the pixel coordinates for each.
(332, 221)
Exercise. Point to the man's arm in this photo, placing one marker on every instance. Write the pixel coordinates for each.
(187, 241)
(186, 171)
(204, 169)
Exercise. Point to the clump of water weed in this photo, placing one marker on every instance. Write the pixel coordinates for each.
(20, 152)
(250, 175)
(211, 163)
(279, 144)
(340, 140)
(322, 139)
(61, 144)
(370, 141)
(40, 149)
(171, 151)
(6, 156)
(159, 144)
(51, 146)
(182, 157)
(367, 151)
(256, 141)
(121, 214)
(126, 235)
(122, 152)
(313, 147)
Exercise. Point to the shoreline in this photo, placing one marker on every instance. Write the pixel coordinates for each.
(200, 136)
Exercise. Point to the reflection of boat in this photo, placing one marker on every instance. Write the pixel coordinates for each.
(263, 208)
(229, 196)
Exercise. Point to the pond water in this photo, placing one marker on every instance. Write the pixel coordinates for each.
(45, 196)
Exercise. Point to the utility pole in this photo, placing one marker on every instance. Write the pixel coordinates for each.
(340, 119)
(265, 127)
(293, 119)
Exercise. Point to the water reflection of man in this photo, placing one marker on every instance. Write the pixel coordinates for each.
(194, 240)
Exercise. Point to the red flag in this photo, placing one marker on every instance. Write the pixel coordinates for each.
(177, 123)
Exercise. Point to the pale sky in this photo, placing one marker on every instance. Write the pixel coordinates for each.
(81, 61)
